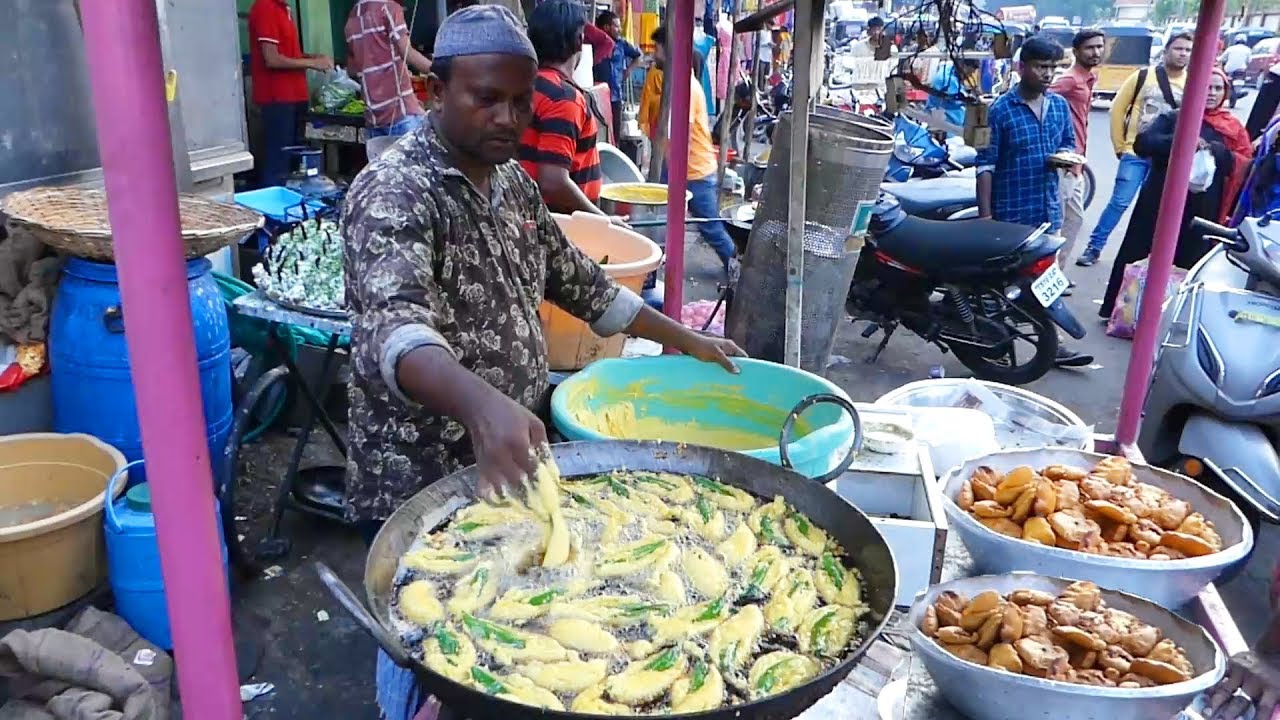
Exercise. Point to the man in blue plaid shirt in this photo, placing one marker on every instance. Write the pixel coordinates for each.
(1016, 182)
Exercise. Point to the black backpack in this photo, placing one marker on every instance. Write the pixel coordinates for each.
(1162, 77)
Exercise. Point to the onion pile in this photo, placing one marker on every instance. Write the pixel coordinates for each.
(696, 314)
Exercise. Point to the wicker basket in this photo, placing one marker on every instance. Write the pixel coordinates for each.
(74, 220)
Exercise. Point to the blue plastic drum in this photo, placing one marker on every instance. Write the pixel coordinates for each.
(89, 358)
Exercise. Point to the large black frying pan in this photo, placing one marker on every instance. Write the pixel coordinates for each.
(433, 506)
(739, 229)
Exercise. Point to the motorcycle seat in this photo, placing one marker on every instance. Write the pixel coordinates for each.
(928, 196)
(956, 246)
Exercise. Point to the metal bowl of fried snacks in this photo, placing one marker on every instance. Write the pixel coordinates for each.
(984, 692)
(1170, 571)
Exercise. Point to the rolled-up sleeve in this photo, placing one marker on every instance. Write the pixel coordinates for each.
(391, 287)
(990, 155)
(580, 286)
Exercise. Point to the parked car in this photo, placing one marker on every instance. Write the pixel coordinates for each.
(1265, 54)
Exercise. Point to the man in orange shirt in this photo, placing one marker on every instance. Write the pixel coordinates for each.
(1076, 87)
(278, 68)
(703, 165)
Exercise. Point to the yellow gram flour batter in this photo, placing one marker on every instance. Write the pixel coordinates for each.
(618, 419)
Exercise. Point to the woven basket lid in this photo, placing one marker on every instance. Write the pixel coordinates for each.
(74, 220)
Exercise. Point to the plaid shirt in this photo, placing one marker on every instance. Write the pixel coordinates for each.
(377, 45)
(1024, 187)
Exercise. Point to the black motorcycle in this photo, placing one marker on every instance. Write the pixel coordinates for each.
(988, 291)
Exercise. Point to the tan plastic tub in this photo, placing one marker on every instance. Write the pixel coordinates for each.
(52, 549)
(631, 256)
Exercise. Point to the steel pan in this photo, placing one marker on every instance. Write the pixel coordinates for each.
(433, 506)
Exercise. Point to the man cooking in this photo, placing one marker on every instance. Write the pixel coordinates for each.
(449, 252)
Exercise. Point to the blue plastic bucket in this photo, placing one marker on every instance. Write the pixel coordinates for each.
(687, 394)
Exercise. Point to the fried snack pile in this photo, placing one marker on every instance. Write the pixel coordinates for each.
(629, 593)
(1105, 511)
(1074, 637)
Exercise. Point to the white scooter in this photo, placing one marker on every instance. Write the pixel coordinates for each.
(1213, 405)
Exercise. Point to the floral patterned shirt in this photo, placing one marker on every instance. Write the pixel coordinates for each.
(430, 260)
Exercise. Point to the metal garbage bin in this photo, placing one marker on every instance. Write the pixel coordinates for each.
(848, 154)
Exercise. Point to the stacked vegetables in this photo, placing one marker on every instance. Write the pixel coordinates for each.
(303, 267)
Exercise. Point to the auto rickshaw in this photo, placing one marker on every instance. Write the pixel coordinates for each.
(1127, 50)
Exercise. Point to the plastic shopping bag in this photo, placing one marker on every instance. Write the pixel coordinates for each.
(1124, 316)
(1203, 168)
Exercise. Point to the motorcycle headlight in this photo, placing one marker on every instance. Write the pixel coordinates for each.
(1209, 358)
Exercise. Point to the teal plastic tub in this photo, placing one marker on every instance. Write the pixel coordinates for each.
(681, 399)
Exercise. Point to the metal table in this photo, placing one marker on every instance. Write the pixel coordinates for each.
(320, 493)
(332, 131)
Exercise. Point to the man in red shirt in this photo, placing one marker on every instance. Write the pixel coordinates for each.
(558, 149)
(601, 43)
(379, 54)
(278, 68)
(1076, 87)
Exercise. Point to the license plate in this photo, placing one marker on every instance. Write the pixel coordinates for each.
(1050, 285)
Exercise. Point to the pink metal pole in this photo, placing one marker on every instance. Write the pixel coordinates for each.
(1169, 219)
(127, 75)
(679, 74)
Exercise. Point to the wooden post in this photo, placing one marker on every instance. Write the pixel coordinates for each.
(808, 26)
(726, 112)
(757, 79)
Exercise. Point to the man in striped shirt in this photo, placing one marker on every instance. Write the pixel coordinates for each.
(379, 54)
(558, 149)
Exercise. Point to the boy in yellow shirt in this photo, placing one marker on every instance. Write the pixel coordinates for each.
(703, 164)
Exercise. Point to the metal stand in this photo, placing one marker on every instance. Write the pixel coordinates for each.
(319, 490)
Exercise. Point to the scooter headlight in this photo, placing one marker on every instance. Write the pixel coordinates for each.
(1209, 357)
(1270, 386)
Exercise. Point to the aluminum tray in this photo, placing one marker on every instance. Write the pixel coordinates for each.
(984, 693)
(941, 392)
(1170, 584)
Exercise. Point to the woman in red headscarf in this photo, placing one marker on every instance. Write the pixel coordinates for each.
(1222, 135)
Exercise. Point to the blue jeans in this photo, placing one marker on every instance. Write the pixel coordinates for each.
(281, 127)
(705, 203)
(1130, 175)
(404, 126)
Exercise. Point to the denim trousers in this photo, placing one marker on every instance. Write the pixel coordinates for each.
(403, 126)
(281, 127)
(1130, 175)
(705, 203)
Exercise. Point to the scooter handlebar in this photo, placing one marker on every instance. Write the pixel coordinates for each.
(1212, 228)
